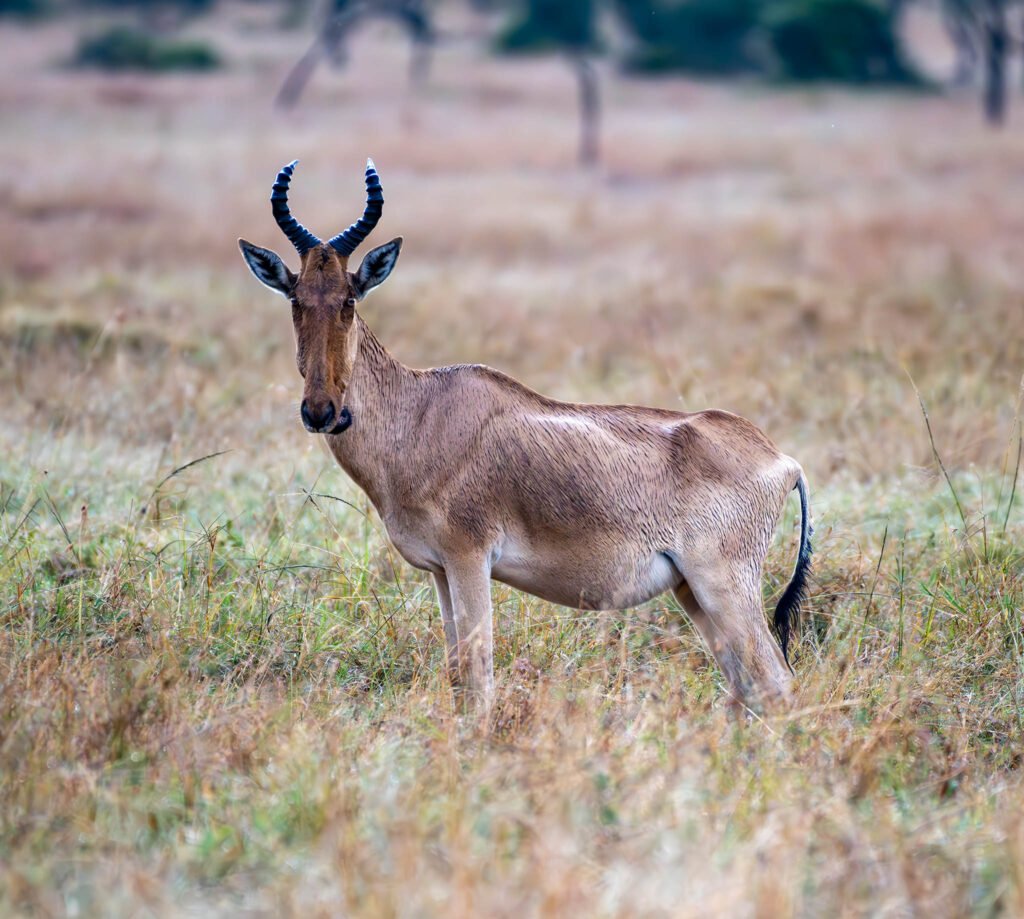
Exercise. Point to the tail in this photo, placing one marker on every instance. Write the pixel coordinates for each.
(795, 592)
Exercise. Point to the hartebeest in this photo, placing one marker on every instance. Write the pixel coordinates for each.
(476, 477)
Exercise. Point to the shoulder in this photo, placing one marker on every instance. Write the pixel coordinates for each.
(480, 378)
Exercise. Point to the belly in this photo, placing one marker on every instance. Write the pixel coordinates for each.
(585, 579)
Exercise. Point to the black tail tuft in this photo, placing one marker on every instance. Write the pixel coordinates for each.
(794, 594)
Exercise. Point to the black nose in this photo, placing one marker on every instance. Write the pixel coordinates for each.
(317, 419)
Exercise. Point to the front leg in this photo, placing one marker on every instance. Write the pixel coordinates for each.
(469, 593)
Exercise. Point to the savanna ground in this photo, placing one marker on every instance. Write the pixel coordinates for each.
(222, 692)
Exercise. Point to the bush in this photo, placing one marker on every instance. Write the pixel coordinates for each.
(849, 41)
(699, 36)
(123, 48)
(552, 25)
(852, 41)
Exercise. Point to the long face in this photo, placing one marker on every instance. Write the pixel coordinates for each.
(323, 313)
(323, 296)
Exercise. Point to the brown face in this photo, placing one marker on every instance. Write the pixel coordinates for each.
(323, 313)
(323, 297)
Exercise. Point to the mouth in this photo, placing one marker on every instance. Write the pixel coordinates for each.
(344, 422)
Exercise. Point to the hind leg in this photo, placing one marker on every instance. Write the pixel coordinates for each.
(724, 603)
(451, 636)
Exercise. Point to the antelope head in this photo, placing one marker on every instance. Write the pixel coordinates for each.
(324, 295)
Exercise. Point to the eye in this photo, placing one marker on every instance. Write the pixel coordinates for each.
(351, 301)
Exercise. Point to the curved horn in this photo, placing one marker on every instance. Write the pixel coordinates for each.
(299, 236)
(345, 243)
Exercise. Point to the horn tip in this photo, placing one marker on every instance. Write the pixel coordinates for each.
(370, 164)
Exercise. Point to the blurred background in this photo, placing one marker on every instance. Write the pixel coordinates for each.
(809, 212)
(784, 208)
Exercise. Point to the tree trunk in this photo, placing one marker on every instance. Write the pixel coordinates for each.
(415, 16)
(996, 46)
(299, 76)
(330, 44)
(419, 62)
(956, 18)
(590, 109)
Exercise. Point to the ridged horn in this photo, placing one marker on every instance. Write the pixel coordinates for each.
(345, 243)
(297, 234)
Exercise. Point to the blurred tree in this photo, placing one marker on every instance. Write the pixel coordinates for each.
(841, 40)
(568, 27)
(984, 32)
(552, 25)
(698, 36)
(25, 9)
(849, 41)
(967, 52)
(964, 46)
(985, 24)
(343, 16)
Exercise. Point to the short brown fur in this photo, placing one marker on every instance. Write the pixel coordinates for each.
(476, 477)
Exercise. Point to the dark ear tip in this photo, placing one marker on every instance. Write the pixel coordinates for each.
(397, 241)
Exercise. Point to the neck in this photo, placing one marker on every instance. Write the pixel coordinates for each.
(383, 397)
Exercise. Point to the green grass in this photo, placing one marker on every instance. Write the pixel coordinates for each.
(221, 691)
(225, 689)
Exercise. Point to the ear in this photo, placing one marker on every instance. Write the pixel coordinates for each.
(268, 267)
(376, 266)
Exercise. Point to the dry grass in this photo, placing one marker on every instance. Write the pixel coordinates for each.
(222, 691)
